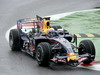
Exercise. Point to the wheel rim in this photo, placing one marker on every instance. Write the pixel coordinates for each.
(39, 54)
(82, 49)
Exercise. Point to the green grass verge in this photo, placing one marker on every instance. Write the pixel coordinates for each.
(83, 22)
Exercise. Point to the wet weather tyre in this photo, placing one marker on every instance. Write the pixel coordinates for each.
(43, 54)
(14, 40)
(87, 46)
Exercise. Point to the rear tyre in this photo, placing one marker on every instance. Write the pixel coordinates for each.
(43, 54)
(14, 40)
(87, 46)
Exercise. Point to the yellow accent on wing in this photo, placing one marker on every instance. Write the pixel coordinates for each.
(74, 57)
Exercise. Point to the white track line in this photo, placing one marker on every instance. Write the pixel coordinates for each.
(56, 17)
(94, 67)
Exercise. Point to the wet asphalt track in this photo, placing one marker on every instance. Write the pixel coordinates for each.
(18, 63)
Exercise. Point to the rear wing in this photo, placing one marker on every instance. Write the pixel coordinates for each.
(28, 22)
(38, 23)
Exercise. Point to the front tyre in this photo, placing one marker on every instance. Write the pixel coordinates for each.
(87, 46)
(43, 54)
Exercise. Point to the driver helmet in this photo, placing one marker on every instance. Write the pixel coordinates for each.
(52, 32)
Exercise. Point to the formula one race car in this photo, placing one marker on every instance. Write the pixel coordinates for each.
(47, 43)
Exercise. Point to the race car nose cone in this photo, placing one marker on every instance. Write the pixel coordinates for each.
(72, 56)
